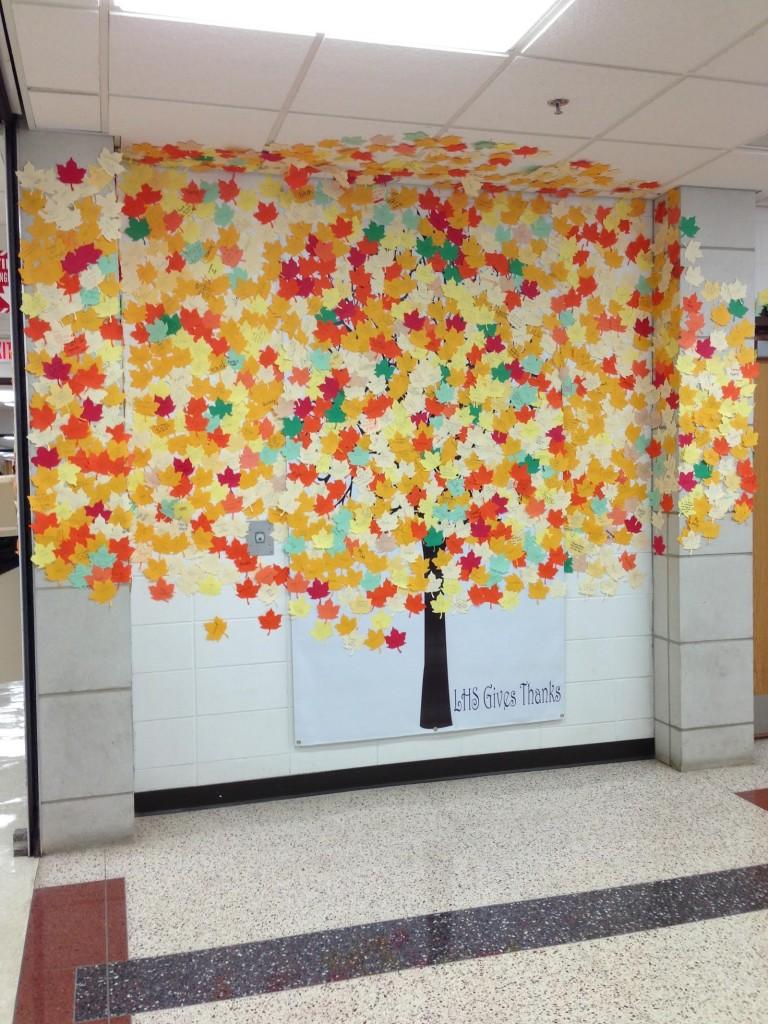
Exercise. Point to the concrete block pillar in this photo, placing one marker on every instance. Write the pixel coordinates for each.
(702, 623)
(83, 656)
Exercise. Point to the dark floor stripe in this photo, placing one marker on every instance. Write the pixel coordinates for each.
(316, 958)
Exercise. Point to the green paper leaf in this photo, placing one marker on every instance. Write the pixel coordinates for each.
(137, 229)
(516, 268)
(292, 426)
(449, 251)
(385, 369)
(172, 323)
(220, 409)
(375, 232)
(425, 247)
(336, 414)
(434, 538)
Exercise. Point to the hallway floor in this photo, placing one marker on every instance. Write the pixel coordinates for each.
(17, 874)
(531, 897)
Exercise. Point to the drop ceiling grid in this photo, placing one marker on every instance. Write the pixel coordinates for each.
(296, 80)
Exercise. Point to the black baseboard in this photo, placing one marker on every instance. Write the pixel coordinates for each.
(187, 798)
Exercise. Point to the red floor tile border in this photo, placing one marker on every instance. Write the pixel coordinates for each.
(759, 797)
(69, 926)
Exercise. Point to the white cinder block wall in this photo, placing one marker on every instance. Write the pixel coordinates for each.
(220, 712)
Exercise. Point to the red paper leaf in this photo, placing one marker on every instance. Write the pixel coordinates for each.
(266, 213)
(247, 589)
(80, 259)
(297, 177)
(164, 406)
(70, 173)
(46, 458)
(317, 590)
(228, 190)
(162, 590)
(56, 369)
(270, 620)
(395, 639)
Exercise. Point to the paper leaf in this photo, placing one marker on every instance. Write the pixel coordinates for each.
(270, 620)
(70, 173)
(215, 629)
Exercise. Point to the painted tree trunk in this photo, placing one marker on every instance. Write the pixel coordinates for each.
(435, 691)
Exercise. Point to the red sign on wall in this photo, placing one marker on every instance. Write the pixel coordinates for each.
(5, 305)
(6, 352)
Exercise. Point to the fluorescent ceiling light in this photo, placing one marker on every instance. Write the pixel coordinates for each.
(488, 26)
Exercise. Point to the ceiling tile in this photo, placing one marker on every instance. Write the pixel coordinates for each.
(204, 63)
(555, 147)
(744, 62)
(61, 111)
(660, 35)
(720, 114)
(59, 47)
(315, 127)
(517, 99)
(62, 3)
(645, 162)
(391, 82)
(161, 121)
(740, 169)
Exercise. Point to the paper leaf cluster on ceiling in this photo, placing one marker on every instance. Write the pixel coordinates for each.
(704, 382)
(434, 394)
(441, 162)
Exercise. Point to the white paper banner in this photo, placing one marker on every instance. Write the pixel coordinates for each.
(502, 668)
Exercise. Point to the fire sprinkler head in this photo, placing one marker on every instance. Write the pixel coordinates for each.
(558, 103)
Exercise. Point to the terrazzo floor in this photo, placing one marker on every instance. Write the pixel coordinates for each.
(265, 871)
(17, 874)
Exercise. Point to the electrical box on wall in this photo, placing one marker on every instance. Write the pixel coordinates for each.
(260, 539)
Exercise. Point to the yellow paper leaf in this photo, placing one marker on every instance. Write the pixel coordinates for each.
(103, 591)
(216, 629)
